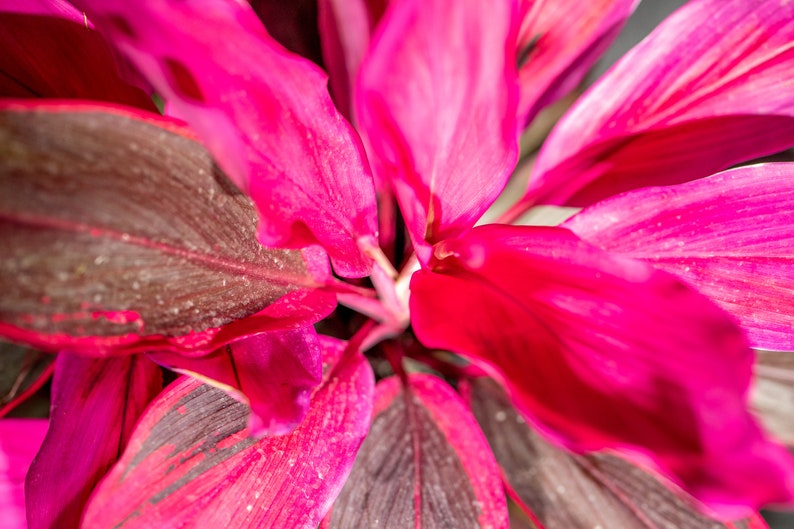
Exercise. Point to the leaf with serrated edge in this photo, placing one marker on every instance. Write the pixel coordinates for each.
(192, 464)
(117, 232)
(425, 463)
(561, 490)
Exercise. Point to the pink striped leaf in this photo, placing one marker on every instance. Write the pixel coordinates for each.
(95, 405)
(425, 463)
(118, 233)
(773, 393)
(23, 371)
(558, 43)
(263, 113)
(561, 490)
(273, 372)
(446, 146)
(20, 439)
(707, 89)
(605, 352)
(731, 236)
(192, 464)
(51, 50)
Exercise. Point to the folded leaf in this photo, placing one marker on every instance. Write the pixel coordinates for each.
(95, 405)
(707, 89)
(425, 463)
(731, 236)
(51, 50)
(434, 102)
(118, 233)
(265, 115)
(192, 463)
(772, 393)
(558, 43)
(273, 372)
(22, 372)
(568, 491)
(606, 352)
(20, 439)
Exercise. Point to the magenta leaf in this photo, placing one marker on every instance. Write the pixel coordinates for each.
(558, 43)
(447, 147)
(192, 463)
(51, 50)
(425, 463)
(561, 490)
(20, 439)
(707, 89)
(119, 234)
(96, 403)
(731, 236)
(273, 372)
(606, 352)
(265, 115)
(293, 24)
(22, 372)
(773, 393)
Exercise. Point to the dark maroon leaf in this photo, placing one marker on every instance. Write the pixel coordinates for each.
(117, 232)
(192, 464)
(561, 490)
(22, 372)
(425, 463)
(96, 403)
(772, 393)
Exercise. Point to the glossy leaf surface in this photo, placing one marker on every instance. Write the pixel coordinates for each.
(273, 372)
(20, 439)
(192, 464)
(558, 43)
(118, 233)
(561, 490)
(707, 89)
(265, 115)
(425, 463)
(731, 236)
(95, 405)
(51, 50)
(22, 372)
(606, 352)
(447, 147)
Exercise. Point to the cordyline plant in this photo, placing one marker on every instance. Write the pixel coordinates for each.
(228, 238)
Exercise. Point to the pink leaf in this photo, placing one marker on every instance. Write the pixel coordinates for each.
(96, 403)
(731, 236)
(20, 439)
(23, 371)
(274, 373)
(561, 490)
(558, 43)
(192, 463)
(119, 234)
(707, 89)
(51, 50)
(435, 100)
(773, 393)
(265, 115)
(606, 352)
(425, 463)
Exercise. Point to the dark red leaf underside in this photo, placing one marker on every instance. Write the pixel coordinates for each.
(116, 231)
(192, 464)
(95, 405)
(773, 393)
(22, 372)
(409, 471)
(560, 490)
